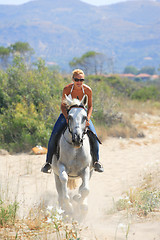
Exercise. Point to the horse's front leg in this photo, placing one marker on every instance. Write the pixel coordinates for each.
(63, 176)
(84, 190)
(83, 193)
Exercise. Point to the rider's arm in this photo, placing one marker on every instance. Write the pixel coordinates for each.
(63, 105)
(90, 107)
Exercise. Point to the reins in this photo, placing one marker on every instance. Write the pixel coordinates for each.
(71, 143)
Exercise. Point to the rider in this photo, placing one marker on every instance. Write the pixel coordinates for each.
(74, 90)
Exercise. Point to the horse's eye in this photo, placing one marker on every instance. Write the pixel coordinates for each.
(84, 119)
(70, 118)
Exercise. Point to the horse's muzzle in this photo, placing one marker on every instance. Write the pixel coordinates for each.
(77, 140)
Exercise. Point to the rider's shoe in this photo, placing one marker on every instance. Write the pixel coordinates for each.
(46, 168)
(98, 167)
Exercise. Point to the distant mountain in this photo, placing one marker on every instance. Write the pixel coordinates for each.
(60, 30)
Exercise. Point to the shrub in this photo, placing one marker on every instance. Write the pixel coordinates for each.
(139, 200)
(8, 213)
(30, 105)
(146, 93)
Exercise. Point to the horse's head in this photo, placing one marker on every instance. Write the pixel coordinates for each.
(77, 117)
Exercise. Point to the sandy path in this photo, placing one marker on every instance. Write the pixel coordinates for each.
(125, 162)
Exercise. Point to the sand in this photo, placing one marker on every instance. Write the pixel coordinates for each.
(126, 161)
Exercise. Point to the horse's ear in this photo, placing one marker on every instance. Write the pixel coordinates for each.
(68, 100)
(84, 101)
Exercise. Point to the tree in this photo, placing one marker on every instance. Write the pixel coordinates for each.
(131, 69)
(91, 62)
(23, 49)
(148, 70)
(4, 56)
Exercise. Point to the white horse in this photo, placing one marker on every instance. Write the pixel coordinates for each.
(75, 160)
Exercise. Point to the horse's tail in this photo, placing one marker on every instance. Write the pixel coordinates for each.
(72, 183)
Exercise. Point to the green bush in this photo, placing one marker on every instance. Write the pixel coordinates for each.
(30, 104)
(146, 93)
(142, 202)
(122, 86)
(7, 213)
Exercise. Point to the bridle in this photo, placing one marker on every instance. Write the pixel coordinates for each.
(68, 125)
(76, 106)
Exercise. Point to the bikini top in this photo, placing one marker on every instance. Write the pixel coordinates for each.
(70, 96)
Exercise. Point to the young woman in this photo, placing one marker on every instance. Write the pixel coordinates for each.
(76, 89)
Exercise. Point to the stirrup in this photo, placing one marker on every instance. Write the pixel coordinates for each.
(98, 167)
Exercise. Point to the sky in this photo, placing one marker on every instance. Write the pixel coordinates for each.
(93, 2)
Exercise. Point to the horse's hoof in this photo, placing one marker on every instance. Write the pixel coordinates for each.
(77, 197)
(69, 209)
(84, 208)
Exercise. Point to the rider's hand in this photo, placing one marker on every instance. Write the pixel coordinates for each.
(87, 123)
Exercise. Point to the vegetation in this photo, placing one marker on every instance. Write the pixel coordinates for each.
(91, 62)
(8, 213)
(135, 71)
(7, 54)
(131, 69)
(30, 97)
(41, 223)
(29, 104)
(143, 199)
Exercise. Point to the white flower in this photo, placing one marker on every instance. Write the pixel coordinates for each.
(122, 226)
(50, 208)
(121, 198)
(58, 217)
(59, 211)
(49, 220)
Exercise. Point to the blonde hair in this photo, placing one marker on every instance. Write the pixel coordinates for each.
(77, 71)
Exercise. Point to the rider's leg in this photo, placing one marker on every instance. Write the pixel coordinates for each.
(95, 149)
(54, 138)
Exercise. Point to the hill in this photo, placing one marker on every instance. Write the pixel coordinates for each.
(60, 30)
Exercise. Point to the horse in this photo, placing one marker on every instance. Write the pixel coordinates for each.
(75, 160)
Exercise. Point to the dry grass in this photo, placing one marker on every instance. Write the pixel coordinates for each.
(121, 121)
(143, 199)
(42, 223)
(132, 106)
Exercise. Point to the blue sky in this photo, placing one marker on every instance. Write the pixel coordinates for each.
(93, 2)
